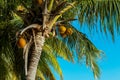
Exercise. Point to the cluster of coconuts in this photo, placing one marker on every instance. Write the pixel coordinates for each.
(64, 32)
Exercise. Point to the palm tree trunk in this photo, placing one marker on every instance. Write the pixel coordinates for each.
(35, 56)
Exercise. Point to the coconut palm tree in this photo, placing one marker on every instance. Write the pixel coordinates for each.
(39, 23)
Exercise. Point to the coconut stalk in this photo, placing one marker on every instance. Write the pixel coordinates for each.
(53, 20)
(50, 5)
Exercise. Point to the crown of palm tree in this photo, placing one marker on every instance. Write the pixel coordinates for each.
(89, 11)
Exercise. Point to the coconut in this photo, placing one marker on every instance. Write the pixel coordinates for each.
(21, 42)
(40, 1)
(69, 31)
(62, 29)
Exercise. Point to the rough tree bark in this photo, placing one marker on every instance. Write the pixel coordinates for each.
(35, 56)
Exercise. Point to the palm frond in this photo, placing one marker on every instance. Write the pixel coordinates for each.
(84, 48)
(8, 64)
(95, 69)
(45, 69)
(9, 52)
(60, 49)
(52, 60)
(3, 68)
(40, 75)
(16, 21)
(106, 12)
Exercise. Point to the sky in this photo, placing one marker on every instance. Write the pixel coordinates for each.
(109, 63)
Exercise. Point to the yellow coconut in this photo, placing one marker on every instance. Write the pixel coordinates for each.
(62, 29)
(21, 42)
(69, 31)
(40, 1)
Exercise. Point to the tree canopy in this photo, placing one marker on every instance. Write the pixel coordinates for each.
(86, 11)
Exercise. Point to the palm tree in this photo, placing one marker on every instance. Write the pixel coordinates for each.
(38, 23)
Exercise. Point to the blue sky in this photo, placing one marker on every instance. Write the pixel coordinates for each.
(109, 63)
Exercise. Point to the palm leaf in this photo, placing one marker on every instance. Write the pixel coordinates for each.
(60, 49)
(45, 69)
(107, 11)
(3, 68)
(40, 75)
(84, 48)
(9, 52)
(51, 59)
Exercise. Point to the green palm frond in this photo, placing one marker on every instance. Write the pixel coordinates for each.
(7, 64)
(60, 49)
(17, 21)
(9, 52)
(6, 9)
(51, 59)
(95, 69)
(3, 68)
(45, 69)
(106, 12)
(84, 48)
(40, 75)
